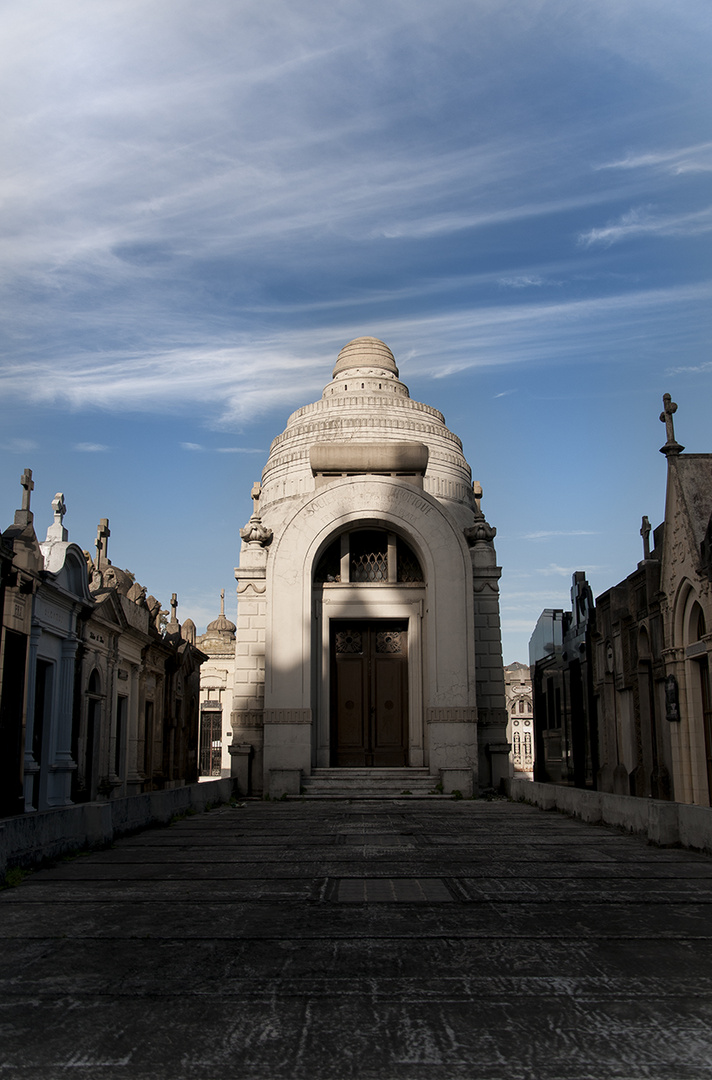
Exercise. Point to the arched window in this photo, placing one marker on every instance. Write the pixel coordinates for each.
(369, 556)
(88, 763)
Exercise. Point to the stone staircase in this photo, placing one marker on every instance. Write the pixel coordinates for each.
(368, 783)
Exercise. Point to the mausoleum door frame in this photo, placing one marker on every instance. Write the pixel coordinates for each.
(364, 602)
(295, 630)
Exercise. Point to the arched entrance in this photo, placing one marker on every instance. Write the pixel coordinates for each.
(369, 587)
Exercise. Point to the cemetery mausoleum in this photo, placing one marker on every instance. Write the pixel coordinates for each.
(368, 633)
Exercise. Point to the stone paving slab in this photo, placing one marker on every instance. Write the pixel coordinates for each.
(219, 948)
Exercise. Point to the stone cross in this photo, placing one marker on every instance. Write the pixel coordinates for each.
(102, 544)
(59, 508)
(174, 607)
(669, 409)
(477, 492)
(28, 485)
(222, 602)
(645, 533)
(255, 495)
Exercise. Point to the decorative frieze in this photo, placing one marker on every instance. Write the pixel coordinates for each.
(452, 715)
(247, 718)
(288, 716)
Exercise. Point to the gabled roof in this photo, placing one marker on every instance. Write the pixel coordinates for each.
(694, 472)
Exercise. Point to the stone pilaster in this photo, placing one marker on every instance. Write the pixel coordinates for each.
(32, 766)
(247, 714)
(62, 764)
(491, 702)
(135, 736)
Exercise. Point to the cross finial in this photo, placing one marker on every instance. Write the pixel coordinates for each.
(477, 492)
(255, 495)
(174, 607)
(645, 533)
(222, 602)
(59, 508)
(57, 531)
(102, 544)
(669, 409)
(28, 485)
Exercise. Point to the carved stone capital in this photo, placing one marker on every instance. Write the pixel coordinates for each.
(480, 532)
(256, 533)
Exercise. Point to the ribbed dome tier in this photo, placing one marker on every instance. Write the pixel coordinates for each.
(365, 403)
(365, 352)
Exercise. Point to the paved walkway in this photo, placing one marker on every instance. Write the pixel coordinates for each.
(433, 940)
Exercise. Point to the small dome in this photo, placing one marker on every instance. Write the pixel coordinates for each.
(366, 352)
(220, 625)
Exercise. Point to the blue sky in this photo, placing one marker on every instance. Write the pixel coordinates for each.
(203, 202)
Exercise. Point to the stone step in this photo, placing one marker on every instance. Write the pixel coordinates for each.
(368, 782)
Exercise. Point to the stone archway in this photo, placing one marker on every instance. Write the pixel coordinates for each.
(437, 612)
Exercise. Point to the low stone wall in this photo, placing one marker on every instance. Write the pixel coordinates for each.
(29, 839)
(663, 823)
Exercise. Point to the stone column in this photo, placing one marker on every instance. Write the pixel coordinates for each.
(247, 714)
(32, 767)
(62, 764)
(495, 766)
(134, 776)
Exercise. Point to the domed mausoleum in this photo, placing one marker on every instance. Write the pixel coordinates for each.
(368, 634)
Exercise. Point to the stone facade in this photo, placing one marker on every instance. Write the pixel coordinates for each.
(520, 723)
(98, 699)
(368, 595)
(647, 645)
(217, 679)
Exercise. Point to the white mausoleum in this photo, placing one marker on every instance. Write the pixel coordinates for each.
(368, 634)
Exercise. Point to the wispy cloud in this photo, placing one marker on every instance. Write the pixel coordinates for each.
(239, 450)
(688, 159)
(228, 384)
(640, 221)
(90, 448)
(522, 281)
(692, 369)
(566, 571)
(546, 535)
(192, 446)
(19, 445)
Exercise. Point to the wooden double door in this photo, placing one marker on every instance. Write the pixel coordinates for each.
(369, 693)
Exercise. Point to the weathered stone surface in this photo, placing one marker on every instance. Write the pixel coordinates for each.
(221, 947)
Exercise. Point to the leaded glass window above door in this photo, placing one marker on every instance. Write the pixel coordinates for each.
(369, 556)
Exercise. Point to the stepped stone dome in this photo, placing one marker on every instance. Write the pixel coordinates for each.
(366, 352)
(365, 411)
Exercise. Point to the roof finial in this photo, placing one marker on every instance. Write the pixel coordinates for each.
(24, 516)
(222, 602)
(645, 533)
(57, 531)
(102, 544)
(671, 447)
(29, 486)
(477, 495)
(255, 532)
(174, 607)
